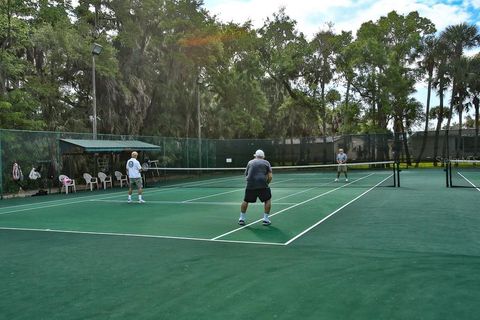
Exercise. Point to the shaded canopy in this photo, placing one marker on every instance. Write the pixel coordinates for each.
(79, 146)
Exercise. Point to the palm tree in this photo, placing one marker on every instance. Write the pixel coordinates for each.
(461, 69)
(428, 65)
(458, 38)
(403, 120)
(439, 113)
(476, 103)
(474, 90)
(440, 83)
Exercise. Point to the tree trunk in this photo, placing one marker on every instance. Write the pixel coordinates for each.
(8, 42)
(427, 111)
(446, 143)
(324, 122)
(476, 103)
(405, 147)
(347, 94)
(460, 143)
(439, 126)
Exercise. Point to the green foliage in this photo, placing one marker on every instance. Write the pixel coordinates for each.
(18, 110)
(386, 80)
(161, 60)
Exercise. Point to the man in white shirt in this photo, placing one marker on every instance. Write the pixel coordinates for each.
(133, 171)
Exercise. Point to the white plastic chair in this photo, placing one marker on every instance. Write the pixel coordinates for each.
(89, 180)
(121, 178)
(66, 183)
(104, 179)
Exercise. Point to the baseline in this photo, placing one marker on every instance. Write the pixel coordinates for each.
(141, 236)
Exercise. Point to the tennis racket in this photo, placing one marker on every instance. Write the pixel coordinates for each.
(145, 166)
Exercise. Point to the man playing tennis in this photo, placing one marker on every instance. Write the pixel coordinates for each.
(258, 175)
(342, 164)
(134, 177)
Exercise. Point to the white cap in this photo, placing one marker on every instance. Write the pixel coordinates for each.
(259, 154)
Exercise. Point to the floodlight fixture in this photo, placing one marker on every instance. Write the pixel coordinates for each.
(96, 49)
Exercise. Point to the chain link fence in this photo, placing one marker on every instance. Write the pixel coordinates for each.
(41, 150)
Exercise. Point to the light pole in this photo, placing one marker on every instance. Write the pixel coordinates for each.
(199, 83)
(96, 50)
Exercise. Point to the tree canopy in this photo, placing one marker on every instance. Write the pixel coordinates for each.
(162, 61)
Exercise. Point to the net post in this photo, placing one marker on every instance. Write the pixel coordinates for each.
(450, 172)
(1, 167)
(398, 173)
(394, 174)
(447, 172)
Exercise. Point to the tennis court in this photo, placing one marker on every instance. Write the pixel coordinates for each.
(357, 249)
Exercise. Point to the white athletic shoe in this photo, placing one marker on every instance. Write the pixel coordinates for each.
(141, 201)
(266, 222)
(336, 179)
(129, 200)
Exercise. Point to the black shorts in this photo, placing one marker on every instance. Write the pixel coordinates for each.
(251, 195)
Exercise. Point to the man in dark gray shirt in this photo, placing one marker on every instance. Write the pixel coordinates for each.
(258, 175)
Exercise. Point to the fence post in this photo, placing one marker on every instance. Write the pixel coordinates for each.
(1, 166)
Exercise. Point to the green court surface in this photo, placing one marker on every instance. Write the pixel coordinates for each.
(335, 250)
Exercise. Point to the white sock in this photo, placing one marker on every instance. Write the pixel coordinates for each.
(242, 216)
(265, 216)
(139, 197)
(129, 197)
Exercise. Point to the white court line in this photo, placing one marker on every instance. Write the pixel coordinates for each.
(183, 202)
(87, 198)
(331, 214)
(141, 236)
(61, 202)
(204, 182)
(58, 200)
(293, 206)
(53, 205)
(303, 191)
(209, 196)
(216, 239)
(82, 200)
(296, 193)
(478, 188)
(114, 194)
(220, 193)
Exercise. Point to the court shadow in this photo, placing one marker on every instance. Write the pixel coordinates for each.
(269, 233)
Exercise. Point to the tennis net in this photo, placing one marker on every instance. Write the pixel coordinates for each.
(380, 174)
(463, 173)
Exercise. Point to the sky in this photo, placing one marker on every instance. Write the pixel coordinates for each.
(347, 15)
